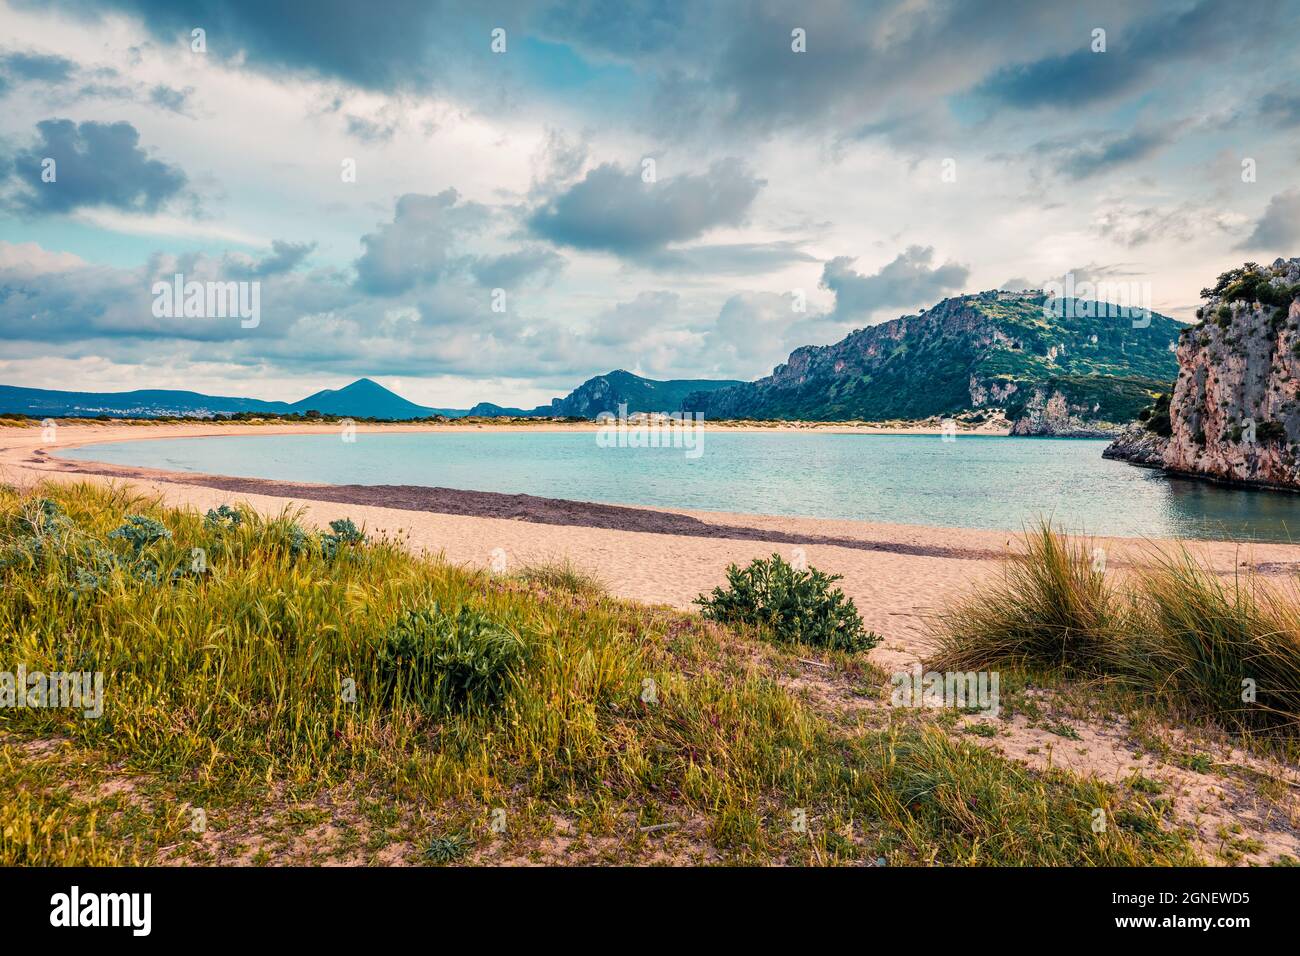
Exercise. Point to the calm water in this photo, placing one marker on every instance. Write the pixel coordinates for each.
(975, 482)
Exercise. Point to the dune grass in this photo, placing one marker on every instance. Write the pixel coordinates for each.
(245, 658)
(561, 574)
(1222, 650)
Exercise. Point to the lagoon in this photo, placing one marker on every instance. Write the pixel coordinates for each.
(991, 482)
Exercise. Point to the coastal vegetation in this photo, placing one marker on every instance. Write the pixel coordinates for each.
(1172, 633)
(789, 604)
(274, 693)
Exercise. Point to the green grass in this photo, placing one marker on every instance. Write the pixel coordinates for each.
(1172, 632)
(259, 690)
(562, 575)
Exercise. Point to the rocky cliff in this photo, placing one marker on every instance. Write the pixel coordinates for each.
(1235, 411)
(1049, 413)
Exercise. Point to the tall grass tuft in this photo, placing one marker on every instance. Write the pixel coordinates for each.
(1226, 650)
(459, 662)
(1050, 609)
(563, 575)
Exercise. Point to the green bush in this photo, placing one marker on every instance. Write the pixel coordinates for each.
(1156, 417)
(463, 662)
(1269, 432)
(223, 517)
(795, 606)
(140, 531)
(343, 532)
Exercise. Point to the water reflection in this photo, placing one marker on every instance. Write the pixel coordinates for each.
(1204, 509)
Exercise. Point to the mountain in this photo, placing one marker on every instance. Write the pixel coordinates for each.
(1054, 366)
(605, 393)
(364, 398)
(143, 403)
(1234, 411)
(368, 399)
(488, 410)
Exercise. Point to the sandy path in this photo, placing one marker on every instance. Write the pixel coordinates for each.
(897, 574)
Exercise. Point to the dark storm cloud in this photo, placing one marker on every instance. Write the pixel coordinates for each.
(97, 164)
(284, 257)
(613, 210)
(370, 131)
(1083, 157)
(1132, 54)
(909, 280)
(384, 47)
(625, 29)
(866, 62)
(1278, 230)
(1281, 108)
(170, 98)
(35, 67)
(737, 258)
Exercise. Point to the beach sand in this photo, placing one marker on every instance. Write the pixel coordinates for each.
(897, 574)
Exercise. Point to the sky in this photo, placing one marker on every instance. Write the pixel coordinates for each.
(495, 201)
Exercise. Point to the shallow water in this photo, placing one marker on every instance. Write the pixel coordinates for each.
(972, 482)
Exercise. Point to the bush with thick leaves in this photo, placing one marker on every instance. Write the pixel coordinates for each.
(794, 606)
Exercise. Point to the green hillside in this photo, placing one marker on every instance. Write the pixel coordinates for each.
(986, 350)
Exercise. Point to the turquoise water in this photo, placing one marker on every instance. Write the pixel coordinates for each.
(974, 482)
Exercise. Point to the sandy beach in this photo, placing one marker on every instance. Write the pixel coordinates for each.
(897, 574)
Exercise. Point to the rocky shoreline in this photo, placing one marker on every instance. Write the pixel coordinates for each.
(1234, 413)
(1138, 446)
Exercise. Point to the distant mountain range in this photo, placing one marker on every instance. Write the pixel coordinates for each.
(1055, 367)
(362, 399)
(1052, 367)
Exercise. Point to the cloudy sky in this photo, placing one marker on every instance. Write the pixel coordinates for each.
(652, 186)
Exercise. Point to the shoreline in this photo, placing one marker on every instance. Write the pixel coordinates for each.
(273, 426)
(898, 574)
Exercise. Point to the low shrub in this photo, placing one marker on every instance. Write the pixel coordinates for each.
(793, 606)
(1156, 416)
(223, 517)
(342, 533)
(563, 576)
(140, 532)
(1270, 432)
